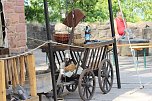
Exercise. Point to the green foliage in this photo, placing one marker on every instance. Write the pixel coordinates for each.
(95, 10)
(137, 10)
(35, 11)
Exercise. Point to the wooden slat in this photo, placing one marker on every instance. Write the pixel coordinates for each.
(25, 62)
(15, 71)
(6, 73)
(9, 70)
(13, 74)
(32, 74)
(18, 67)
(2, 82)
(22, 71)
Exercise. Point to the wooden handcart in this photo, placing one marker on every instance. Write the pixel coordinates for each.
(77, 67)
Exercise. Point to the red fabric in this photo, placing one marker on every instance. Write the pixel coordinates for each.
(120, 26)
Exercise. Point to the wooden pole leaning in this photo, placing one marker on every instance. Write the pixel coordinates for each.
(32, 74)
(2, 81)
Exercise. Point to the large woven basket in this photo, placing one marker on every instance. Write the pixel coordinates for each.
(62, 37)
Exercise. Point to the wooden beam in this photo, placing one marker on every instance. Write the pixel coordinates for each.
(6, 73)
(2, 82)
(15, 71)
(13, 74)
(22, 71)
(32, 74)
(9, 70)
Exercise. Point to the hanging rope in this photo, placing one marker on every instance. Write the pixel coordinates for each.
(132, 50)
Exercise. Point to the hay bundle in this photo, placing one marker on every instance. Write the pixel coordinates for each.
(70, 67)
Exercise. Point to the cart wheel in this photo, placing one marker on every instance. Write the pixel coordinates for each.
(86, 85)
(72, 87)
(105, 76)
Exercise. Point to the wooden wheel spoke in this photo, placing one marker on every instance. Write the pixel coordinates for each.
(87, 93)
(104, 82)
(84, 91)
(107, 66)
(107, 85)
(73, 86)
(109, 70)
(84, 79)
(108, 82)
(91, 86)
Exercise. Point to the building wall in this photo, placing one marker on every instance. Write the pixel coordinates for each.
(15, 22)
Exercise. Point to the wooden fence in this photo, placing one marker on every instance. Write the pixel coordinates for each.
(15, 70)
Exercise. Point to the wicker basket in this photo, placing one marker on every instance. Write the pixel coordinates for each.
(61, 37)
(79, 42)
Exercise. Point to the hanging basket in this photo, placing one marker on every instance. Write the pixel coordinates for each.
(62, 37)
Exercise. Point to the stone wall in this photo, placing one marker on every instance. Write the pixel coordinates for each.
(98, 31)
(35, 31)
(15, 22)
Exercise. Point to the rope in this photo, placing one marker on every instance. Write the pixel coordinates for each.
(132, 51)
(44, 43)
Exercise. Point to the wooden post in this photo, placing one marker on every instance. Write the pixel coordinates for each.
(2, 82)
(6, 73)
(15, 71)
(22, 70)
(9, 70)
(32, 74)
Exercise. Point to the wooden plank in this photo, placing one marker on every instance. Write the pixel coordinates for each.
(32, 74)
(6, 73)
(25, 62)
(2, 80)
(22, 71)
(134, 47)
(140, 47)
(13, 74)
(15, 71)
(9, 70)
(134, 44)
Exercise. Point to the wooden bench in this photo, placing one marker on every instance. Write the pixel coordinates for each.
(141, 47)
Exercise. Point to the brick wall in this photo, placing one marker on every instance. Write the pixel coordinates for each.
(15, 21)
